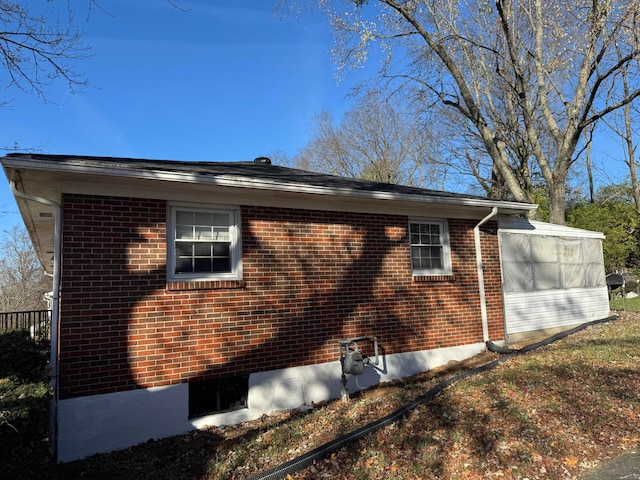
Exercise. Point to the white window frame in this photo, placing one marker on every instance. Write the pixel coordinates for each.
(444, 243)
(235, 247)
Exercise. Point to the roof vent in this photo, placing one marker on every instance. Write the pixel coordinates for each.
(264, 160)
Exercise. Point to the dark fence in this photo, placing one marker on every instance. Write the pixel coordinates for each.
(36, 322)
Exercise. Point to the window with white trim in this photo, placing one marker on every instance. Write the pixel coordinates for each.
(203, 243)
(430, 254)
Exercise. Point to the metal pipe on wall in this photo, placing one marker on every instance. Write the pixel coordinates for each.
(480, 268)
(57, 255)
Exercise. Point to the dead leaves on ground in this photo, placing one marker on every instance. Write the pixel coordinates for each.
(556, 412)
(553, 413)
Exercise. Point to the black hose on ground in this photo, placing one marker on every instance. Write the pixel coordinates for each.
(492, 347)
(303, 461)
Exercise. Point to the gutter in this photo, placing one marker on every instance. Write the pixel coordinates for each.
(55, 315)
(236, 181)
(480, 268)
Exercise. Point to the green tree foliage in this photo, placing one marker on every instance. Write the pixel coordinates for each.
(619, 221)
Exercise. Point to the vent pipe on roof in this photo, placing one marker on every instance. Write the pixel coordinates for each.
(263, 160)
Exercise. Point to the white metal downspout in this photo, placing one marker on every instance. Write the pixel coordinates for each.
(55, 319)
(479, 266)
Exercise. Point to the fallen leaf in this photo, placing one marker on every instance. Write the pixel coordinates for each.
(571, 461)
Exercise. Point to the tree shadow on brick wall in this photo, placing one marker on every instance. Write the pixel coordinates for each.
(301, 294)
(301, 303)
(331, 294)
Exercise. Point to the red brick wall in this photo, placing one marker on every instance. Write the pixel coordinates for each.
(310, 278)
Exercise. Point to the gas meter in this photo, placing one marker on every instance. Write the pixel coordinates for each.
(352, 361)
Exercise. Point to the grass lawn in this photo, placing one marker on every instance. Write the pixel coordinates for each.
(627, 304)
(556, 412)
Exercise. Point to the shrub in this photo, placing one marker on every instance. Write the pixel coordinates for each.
(21, 357)
(24, 406)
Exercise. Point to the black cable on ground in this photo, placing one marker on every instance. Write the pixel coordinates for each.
(307, 459)
(492, 347)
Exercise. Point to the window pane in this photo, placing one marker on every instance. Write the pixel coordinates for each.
(202, 265)
(425, 234)
(221, 249)
(221, 220)
(221, 234)
(415, 257)
(203, 232)
(183, 265)
(203, 218)
(202, 249)
(424, 257)
(184, 249)
(435, 253)
(184, 257)
(184, 218)
(221, 265)
(184, 231)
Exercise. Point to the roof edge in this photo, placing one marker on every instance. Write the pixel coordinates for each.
(26, 161)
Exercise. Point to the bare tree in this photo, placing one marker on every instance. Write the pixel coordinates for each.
(38, 45)
(546, 70)
(23, 283)
(379, 140)
(623, 126)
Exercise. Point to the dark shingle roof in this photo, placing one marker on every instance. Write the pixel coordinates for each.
(250, 171)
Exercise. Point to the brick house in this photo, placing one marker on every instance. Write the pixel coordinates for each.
(208, 293)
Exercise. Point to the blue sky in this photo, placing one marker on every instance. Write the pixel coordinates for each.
(223, 81)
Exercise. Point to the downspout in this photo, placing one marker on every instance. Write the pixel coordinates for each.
(479, 266)
(55, 319)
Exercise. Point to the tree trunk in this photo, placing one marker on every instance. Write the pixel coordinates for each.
(587, 139)
(635, 189)
(557, 192)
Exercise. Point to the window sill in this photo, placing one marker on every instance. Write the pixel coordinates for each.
(205, 285)
(434, 278)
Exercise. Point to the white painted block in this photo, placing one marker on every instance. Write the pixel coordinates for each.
(102, 423)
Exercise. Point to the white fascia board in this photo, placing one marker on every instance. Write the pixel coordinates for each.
(534, 227)
(262, 184)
